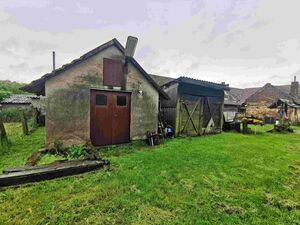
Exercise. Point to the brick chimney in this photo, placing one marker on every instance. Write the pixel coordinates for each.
(294, 88)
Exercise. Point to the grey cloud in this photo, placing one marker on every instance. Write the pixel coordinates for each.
(8, 47)
(19, 67)
(39, 46)
(241, 42)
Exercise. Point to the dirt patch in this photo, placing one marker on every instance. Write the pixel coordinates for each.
(229, 209)
(275, 201)
(153, 215)
(35, 157)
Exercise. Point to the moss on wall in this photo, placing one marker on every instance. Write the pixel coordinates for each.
(143, 115)
(144, 106)
(68, 101)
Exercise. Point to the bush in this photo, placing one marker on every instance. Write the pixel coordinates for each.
(10, 115)
(58, 149)
(77, 151)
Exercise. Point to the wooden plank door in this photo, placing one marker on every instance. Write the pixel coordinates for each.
(109, 117)
(121, 118)
(190, 115)
(100, 118)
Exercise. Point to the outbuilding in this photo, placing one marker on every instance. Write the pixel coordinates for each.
(104, 97)
(195, 106)
(19, 101)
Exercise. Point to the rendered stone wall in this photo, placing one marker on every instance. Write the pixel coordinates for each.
(67, 102)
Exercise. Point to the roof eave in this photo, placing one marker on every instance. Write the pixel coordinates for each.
(38, 86)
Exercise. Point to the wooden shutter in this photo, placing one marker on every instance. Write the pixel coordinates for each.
(112, 73)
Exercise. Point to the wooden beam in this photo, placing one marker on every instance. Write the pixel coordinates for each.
(3, 135)
(190, 117)
(201, 106)
(47, 172)
(24, 122)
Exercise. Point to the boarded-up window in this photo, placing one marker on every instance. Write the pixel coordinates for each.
(112, 73)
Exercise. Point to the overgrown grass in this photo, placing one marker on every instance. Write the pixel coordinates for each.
(222, 179)
(21, 146)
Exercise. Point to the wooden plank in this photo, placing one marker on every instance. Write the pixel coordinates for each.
(52, 171)
(221, 116)
(201, 106)
(178, 117)
(190, 117)
(3, 135)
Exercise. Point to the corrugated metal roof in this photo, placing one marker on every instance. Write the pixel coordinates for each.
(161, 80)
(19, 99)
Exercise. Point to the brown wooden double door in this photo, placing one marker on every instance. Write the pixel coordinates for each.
(110, 117)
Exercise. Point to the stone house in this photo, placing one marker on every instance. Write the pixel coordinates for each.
(103, 97)
(257, 101)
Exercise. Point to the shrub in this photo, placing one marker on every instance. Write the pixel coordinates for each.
(77, 151)
(12, 114)
(58, 149)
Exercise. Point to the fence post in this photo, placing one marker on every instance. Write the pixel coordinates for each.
(24, 122)
(35, 117)
(3, 135)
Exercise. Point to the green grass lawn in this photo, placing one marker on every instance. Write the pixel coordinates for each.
(222, 179)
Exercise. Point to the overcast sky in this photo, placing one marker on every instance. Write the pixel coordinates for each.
(245, 43)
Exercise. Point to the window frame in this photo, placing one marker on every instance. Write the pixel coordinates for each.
(106, 102)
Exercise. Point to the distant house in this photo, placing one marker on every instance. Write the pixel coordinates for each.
(195, 106)
(19, 101)
(257, 101)
(103, 97)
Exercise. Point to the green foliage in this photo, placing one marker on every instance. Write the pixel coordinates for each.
(13, 114)
(10, 115)
(8, 88)
(77, 151)
(48, 158)
(4, 94)
(58, 148)
(4, 142)
(73, 152)
(221, 179)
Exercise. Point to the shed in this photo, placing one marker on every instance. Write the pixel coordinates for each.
(195, 106)
(103, 97)
(19, 101)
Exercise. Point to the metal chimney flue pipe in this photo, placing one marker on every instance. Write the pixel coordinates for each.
(53, 60)
(130, 46)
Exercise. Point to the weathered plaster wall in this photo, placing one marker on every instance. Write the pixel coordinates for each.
(68, 100)
(144, 106)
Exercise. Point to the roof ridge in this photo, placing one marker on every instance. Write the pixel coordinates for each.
(210, 82)
(114, 41)
(74, 62)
